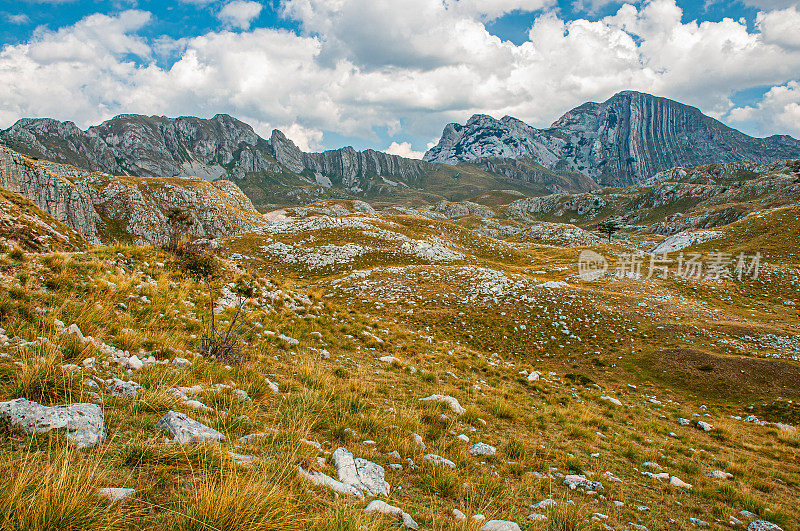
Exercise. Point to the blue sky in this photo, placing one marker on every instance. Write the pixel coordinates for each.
(387, 73)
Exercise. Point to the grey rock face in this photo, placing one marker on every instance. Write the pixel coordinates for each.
(83, 422)
(623, 140)
(153, 146)
(360, 473)
(186, 430)
(345, 166)
(157, 146)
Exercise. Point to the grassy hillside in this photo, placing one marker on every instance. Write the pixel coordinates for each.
(357, 318)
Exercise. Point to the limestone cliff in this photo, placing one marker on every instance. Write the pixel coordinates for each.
(103, 207)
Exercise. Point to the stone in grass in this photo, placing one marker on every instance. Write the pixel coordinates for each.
(719, 474)
(705, 426)
(458, 515)
(763, 525)
(241, 459)
(181, 363)
(500, 525)
(318, 478)
(114, 494)
(698, 523)
(186, 430)
(438, 460)
(360, 473)
(449, 400)
(482, 449)
(677, 482)
(122, 389)
(574, 481)
(378, 506)
(83, 422)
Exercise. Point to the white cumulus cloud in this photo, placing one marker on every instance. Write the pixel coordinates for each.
(778, 110)
(240, 13)
(404, 150)
(360, 66)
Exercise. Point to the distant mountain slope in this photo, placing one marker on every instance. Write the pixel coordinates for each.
(269, 171)
(626, 139)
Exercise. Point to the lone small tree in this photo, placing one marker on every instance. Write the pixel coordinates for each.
(178, 224)
(608, 227)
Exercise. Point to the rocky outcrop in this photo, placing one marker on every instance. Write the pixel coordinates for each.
(103, 207)
(623, 140)
(24, 225)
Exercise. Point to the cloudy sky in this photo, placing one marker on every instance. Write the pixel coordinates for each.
(389, 74)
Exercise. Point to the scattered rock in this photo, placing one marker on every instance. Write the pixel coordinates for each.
(452, 402)
(83, 422)
(482, 449)
(186, 430)
(384, 508)
(676, 482)
(181, 363)
(438, 460)
(610, 399)
(574, 481)
(719, 474)
(360, 473)
(544, 504)
(458, 515)
(122, 389)
(114, 494)
(500, 525)
(763, 525)
(705, 426)
(318, 478)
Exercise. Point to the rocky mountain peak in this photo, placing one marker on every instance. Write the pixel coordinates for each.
(623, 140)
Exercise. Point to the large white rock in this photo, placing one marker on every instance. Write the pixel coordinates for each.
(360, 473)
(378, 506)
(83, 422)
(452, 402)
(186, 430)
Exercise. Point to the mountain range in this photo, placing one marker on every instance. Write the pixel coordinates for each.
(621, 141)
(624, 140)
